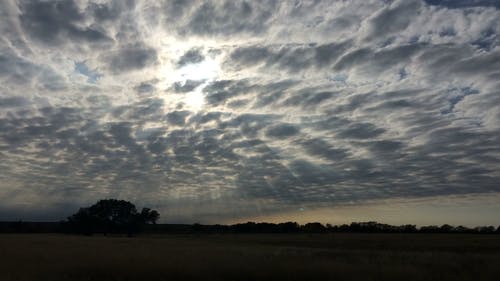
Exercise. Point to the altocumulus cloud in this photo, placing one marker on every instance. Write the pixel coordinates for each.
(302, 104)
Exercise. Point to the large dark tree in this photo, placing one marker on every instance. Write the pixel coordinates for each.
(111, 216)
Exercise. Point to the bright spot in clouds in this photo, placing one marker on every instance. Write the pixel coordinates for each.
(194, 100)
(206, 70)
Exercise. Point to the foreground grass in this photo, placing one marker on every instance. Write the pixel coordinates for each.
(251, 257)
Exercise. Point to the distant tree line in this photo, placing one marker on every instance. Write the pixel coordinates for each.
(354, 227)
(106, 227)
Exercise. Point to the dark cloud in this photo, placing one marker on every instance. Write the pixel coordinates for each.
(218, 92)
(484, 63)
(327, 123)
(328, 53)
(238, 103)
(177, 117)
(442, 56)
(361, 131)
(343, 22)
(455, 4)
(192, 56)
(320, 148)
(309, 98)
(282, 131)
(52, 22)
(310, 174)
(110, 11)
(228, 18)
(376, 62)
(271, 93)
(187, 86)
(147, 109)
(385, 146)
(250, 55)
(209, 116)
(145, 87)
(131, 58)
(249, 125)
(13, 102)
(17, 69)
(393, 19)
(488, 39)
(289, 57)
(176, 9)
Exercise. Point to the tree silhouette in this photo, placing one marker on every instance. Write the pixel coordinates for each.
(111, 216)
(149, 216)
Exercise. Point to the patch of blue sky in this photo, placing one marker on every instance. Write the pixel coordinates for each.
(92, 75)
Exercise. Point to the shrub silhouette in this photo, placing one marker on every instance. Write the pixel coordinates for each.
(110, 216)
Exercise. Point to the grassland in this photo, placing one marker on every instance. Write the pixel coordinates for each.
(26, 257)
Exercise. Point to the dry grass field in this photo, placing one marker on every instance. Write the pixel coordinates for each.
(27, 257)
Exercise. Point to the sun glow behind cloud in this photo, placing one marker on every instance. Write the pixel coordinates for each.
(206, 71)
(202, 72)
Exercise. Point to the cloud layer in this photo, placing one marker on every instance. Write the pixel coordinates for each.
(233, 109)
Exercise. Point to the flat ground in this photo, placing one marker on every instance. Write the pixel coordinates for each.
(250, 257)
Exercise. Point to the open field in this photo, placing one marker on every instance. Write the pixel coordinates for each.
(250, 257)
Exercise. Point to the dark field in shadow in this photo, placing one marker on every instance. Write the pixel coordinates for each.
(250, 257)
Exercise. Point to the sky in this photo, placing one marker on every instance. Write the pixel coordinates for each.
(228, 111)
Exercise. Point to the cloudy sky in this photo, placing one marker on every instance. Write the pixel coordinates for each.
(225, 111)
